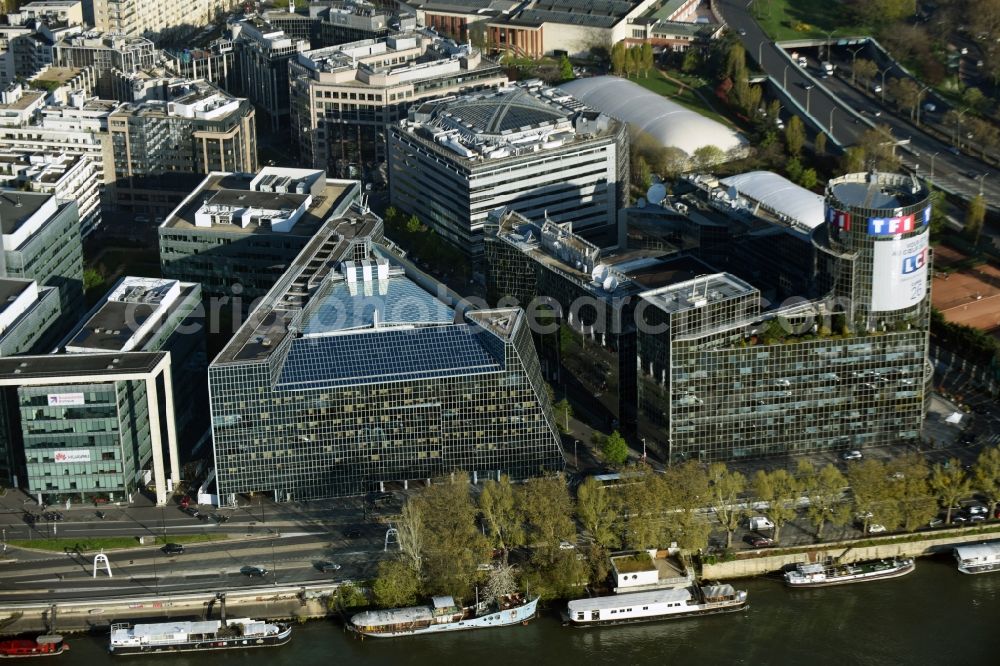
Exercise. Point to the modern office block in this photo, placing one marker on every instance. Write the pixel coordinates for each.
(716, 371)
(42, 242)
(27, 315)
(533, 149)
(138, 17)
(67, 176)
(236, 234)
(105, 52)
(344, 98)
(162, 148)
(352, 374)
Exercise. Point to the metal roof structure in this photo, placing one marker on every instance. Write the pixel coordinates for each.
(668, 122)
(781, 196)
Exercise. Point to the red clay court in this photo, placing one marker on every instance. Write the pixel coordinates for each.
(969, 296)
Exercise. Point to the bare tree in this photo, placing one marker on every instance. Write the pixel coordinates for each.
(411, 535)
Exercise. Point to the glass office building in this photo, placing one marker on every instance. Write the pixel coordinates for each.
(721, 373)
(352, 374)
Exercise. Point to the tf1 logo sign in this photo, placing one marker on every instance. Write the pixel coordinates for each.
(898, 224)
(914, 262)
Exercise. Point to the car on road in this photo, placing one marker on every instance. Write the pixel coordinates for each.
(875, 528)
(959, 519)
(566, 545)
(743, 33)
(327, 567)
(52, 516)
(219, 518)
(253, 572)
(853, 454)
(173, 549)
(191, 511)
(352, 532)
(758, 541)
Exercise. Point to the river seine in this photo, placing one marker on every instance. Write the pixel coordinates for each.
(933, 616)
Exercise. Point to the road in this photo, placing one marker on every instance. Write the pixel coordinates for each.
(832, 101)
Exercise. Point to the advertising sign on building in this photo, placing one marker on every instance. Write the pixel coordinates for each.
(74, 456)
(898, 224)
(839, 219)
(66, 399)
(899, 273)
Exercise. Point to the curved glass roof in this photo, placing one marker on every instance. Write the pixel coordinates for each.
(507, 111)
(780, 195)
(666, 121)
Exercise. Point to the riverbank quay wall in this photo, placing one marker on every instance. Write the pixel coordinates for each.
(287, 602)
(767, 561)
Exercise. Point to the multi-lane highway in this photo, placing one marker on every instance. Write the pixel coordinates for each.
(845, 113)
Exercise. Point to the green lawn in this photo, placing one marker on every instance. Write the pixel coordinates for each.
(109, 543)
(798, 19)
(662, 86)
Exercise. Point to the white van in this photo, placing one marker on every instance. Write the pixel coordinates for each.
(758, 523)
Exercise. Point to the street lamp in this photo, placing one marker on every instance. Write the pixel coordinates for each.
(829, 38)
(576, 460)
(274, 565)
(854, 57)
(932, 165)
(808, 95)
(644, 449)
(919, 97)
(830, 124)
(958, 124)
(883, 73)
(784, 78)
(981, 179)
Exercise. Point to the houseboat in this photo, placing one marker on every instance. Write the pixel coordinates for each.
(195, 636)
(978, 558)
(668, 604)
(824, 575)
(43, 646)
(443, 614)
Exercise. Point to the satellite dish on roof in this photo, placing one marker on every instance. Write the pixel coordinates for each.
(599, 273)
(610, 283)
(656, 193)
(641, 202)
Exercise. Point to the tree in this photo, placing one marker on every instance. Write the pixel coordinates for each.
(708, 156)
(346, 596)
(618, 59)
(547, 509)
(92, 279)
(691, 62)
(820, 143)
(615, 449)
(793, 169)
(726, 488)
(641, 175)
(949, 484)
(808, 178)
(773, 110)
(646, 57)
(501, 515)
(974, 98)
(986, 475)
(687, 491)
(864, 69)
(598, 510)
(411, 535)
(566, 69)
(854, 159)
(906, 476)
(975, 215)
(453, 545)
(736, 62)
(643, 507)
(906, 93)
(754, 96)
(882, 12)
(879, 148)
(872, 495)
(671, 162)
(413, 224)
(795, 136)
(825, 489)
(634, 60)
(396, 585)
(779, 490)
(563, 410)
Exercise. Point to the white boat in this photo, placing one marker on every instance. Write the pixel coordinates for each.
(823, 575)
(978, 558)
(668, 604)
(443, 614)
(183, 636)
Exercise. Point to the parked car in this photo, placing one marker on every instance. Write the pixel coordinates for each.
(959, 519)
(566, 545)
(253, 572)
(875, 528)
(173, 549)
(977, 509)
(853, 454)
(758, 541)
(327, 567)
(352, 533)
(193, 512)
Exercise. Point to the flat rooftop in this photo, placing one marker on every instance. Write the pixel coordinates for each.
(11, 288)
(62, 368)
(17, 207)
(698, 292)
(231, 186)
(877, 190)
(27, 98)
(58, 74)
